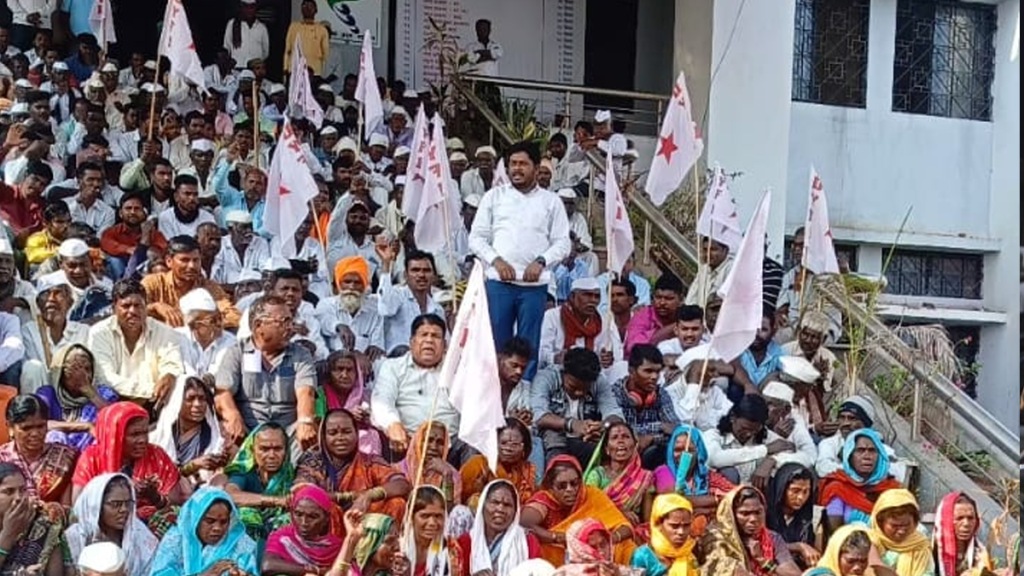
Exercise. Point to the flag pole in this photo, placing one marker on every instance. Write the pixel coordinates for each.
(255, 125)
(152, 95)
(696, 231)
(359, 129)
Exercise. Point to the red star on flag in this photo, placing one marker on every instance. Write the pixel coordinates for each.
(668, 146)
(285, 191)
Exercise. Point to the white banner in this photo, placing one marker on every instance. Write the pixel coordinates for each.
(349, 18)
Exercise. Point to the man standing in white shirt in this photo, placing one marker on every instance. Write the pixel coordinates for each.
(519, 229)
(483, 56)
(246, 38)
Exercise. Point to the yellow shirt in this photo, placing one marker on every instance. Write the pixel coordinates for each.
(40, 247)
(314, 38)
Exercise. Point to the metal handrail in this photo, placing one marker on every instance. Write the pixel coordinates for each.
(552, 87)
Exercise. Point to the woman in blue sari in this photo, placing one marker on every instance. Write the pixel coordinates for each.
(209, 535)
(686, 473)
(75, 397)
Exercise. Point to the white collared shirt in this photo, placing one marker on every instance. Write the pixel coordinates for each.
(227, 265)
(366, 324)
(490, 67)
(398, 307)
(99, 216)
(199, 361)
(12, 348)
(135, 373)
(74, 333)
(170, 226)
(552, 338)
(255, 42)
(405, 392)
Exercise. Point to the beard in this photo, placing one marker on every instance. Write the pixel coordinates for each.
(350, 301)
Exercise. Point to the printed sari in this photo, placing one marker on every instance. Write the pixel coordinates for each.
(582, 559)
(48, 478)
(243, 472)
(845, 493)
(725, 550)
(912, 556)
(106, 457)
(181, 551)
(64, 407)
(328, 399)
(476, 474)
(660, 557)
(287, 544)
(628, 489)
(376, 528)
(944, 542)
(43, 538)
(449, 481)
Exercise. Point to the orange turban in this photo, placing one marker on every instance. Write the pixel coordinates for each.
(351, 264)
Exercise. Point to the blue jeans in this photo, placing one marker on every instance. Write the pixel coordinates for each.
(517, 311)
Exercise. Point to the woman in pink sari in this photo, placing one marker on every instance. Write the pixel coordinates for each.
(622, 477)
(310, 544)
(342, 386)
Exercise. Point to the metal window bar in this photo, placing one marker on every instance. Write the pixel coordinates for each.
(830, 52)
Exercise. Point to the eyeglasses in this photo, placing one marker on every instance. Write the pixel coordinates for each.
(120, 504)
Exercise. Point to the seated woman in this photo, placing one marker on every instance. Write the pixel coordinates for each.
(588, 546)
(75, 398)
(429, 552)
(342, 386)
(310, 543)
(791, 500)
(737, 447)
(47, 466)
(563, 499)
(354, 478)
(437, 471)
(739, 543)
(105, 511)
(849, 552)
(188, 431)
(514, 446)
(686, 472)
(671, 548)
(122, 445)
(259, 479)
(209, 538)
(371, 546)
(849, 494)
(497, 543)
(29, 537)
(894, 532)
(955, 545)
(622, 478)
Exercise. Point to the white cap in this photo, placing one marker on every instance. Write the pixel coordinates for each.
(276, 88)
(441, 296)
(275, 263)
(238, 217)
(59, 66)
(328, 131)
(47, 282)
(109, 67)
(246, 75)
(778, 391)
(102, 557)
(5, 247)
(534, 567)
(567, 193)
(410, 93)
(346, 143)
(150, 65)
(24, 83)
(73, 248)
(249, 275)
(455, 144)
(458, 156)
(399, 111)
(472, 200)
(198, 300)
(400, 180)
(602, 116)
(202, 145)
(379, 140)
(402, 151)
(325, 88)
(699, 352)
(799, 368)
(587, 284)
(150, 87)
(485, 150)
(19, 108)
(250, 2)
(94, 83)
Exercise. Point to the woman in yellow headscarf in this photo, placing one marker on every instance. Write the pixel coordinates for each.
(671, 548)
(848, 552)
(894, 533)
(739, 539)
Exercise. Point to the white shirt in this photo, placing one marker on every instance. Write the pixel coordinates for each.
(702, 408)
(519, 228)
(398, 307)
(472, 182)
(366, 324)
(227, 265)
(12, 348)
(578, 226)
(830, 451)
(170, 226)
(74, 333)
(255, 42)
(488, 68)
(707, 282)
(404, 392)
(126, 78)
(305, 316)
(319, 283)
(135, 373)
(552, 337)
(199, 361)
(20, 9)
(224, 82)
(99, 216)
(724, 452)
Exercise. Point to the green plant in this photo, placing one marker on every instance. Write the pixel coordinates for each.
(892, 388)
(520, 118)
(440, 41)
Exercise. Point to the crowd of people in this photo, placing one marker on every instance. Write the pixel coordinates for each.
(180, 398)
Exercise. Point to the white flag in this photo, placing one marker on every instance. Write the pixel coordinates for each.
(300, 93)
(819, 254)
(1015, 49)
(290, 188)
(432, 217)
(101, 20)
(679, 146)
(718, 219)
(470, 372)
(500, 175)
(742, 296)
(416, 170)
(618, 230)
(176, 43)
(367, 92)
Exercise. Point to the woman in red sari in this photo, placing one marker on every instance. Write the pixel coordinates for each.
(122, 445)
(311, 542)
(849, 495)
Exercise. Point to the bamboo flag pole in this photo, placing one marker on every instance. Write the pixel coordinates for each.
(255, 125)
(152, 96)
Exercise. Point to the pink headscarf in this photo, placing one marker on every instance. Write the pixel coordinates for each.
(286, 543)
(369, 439)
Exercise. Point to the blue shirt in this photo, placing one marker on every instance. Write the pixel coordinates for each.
(80, 70)
(564, 277)
(643, 291)
(770, 364)
(231, 198)
(79, 11)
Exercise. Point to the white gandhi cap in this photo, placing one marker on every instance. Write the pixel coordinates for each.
(102, 557)
(586, 284)
(73, 248)
(778, 391)
(198, 300)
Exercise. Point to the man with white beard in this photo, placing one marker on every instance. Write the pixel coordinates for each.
(349, 320)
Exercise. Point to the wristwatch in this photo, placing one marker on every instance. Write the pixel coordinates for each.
(541, 260)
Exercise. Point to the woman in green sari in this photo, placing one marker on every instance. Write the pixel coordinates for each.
(259, 480)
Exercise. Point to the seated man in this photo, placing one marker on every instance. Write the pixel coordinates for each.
(515, 392)
(810, 344)
(656, 323)
(399, 305)
(349, 320)
(205, 342)
(576, 324)
(405, 389)
(571, 403)
(268, 378)
(641, 287)
(90, 292)
(645, 406)
(240, 250)
(286, 284)
(742, 448)
(785, 423)
(855, 412)
(715, 264)
(137, 356)
(697, 387)
(164, 290)
(689, 332)
(42, 245)
(761, 360)
(51, 333)
(808, 399)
